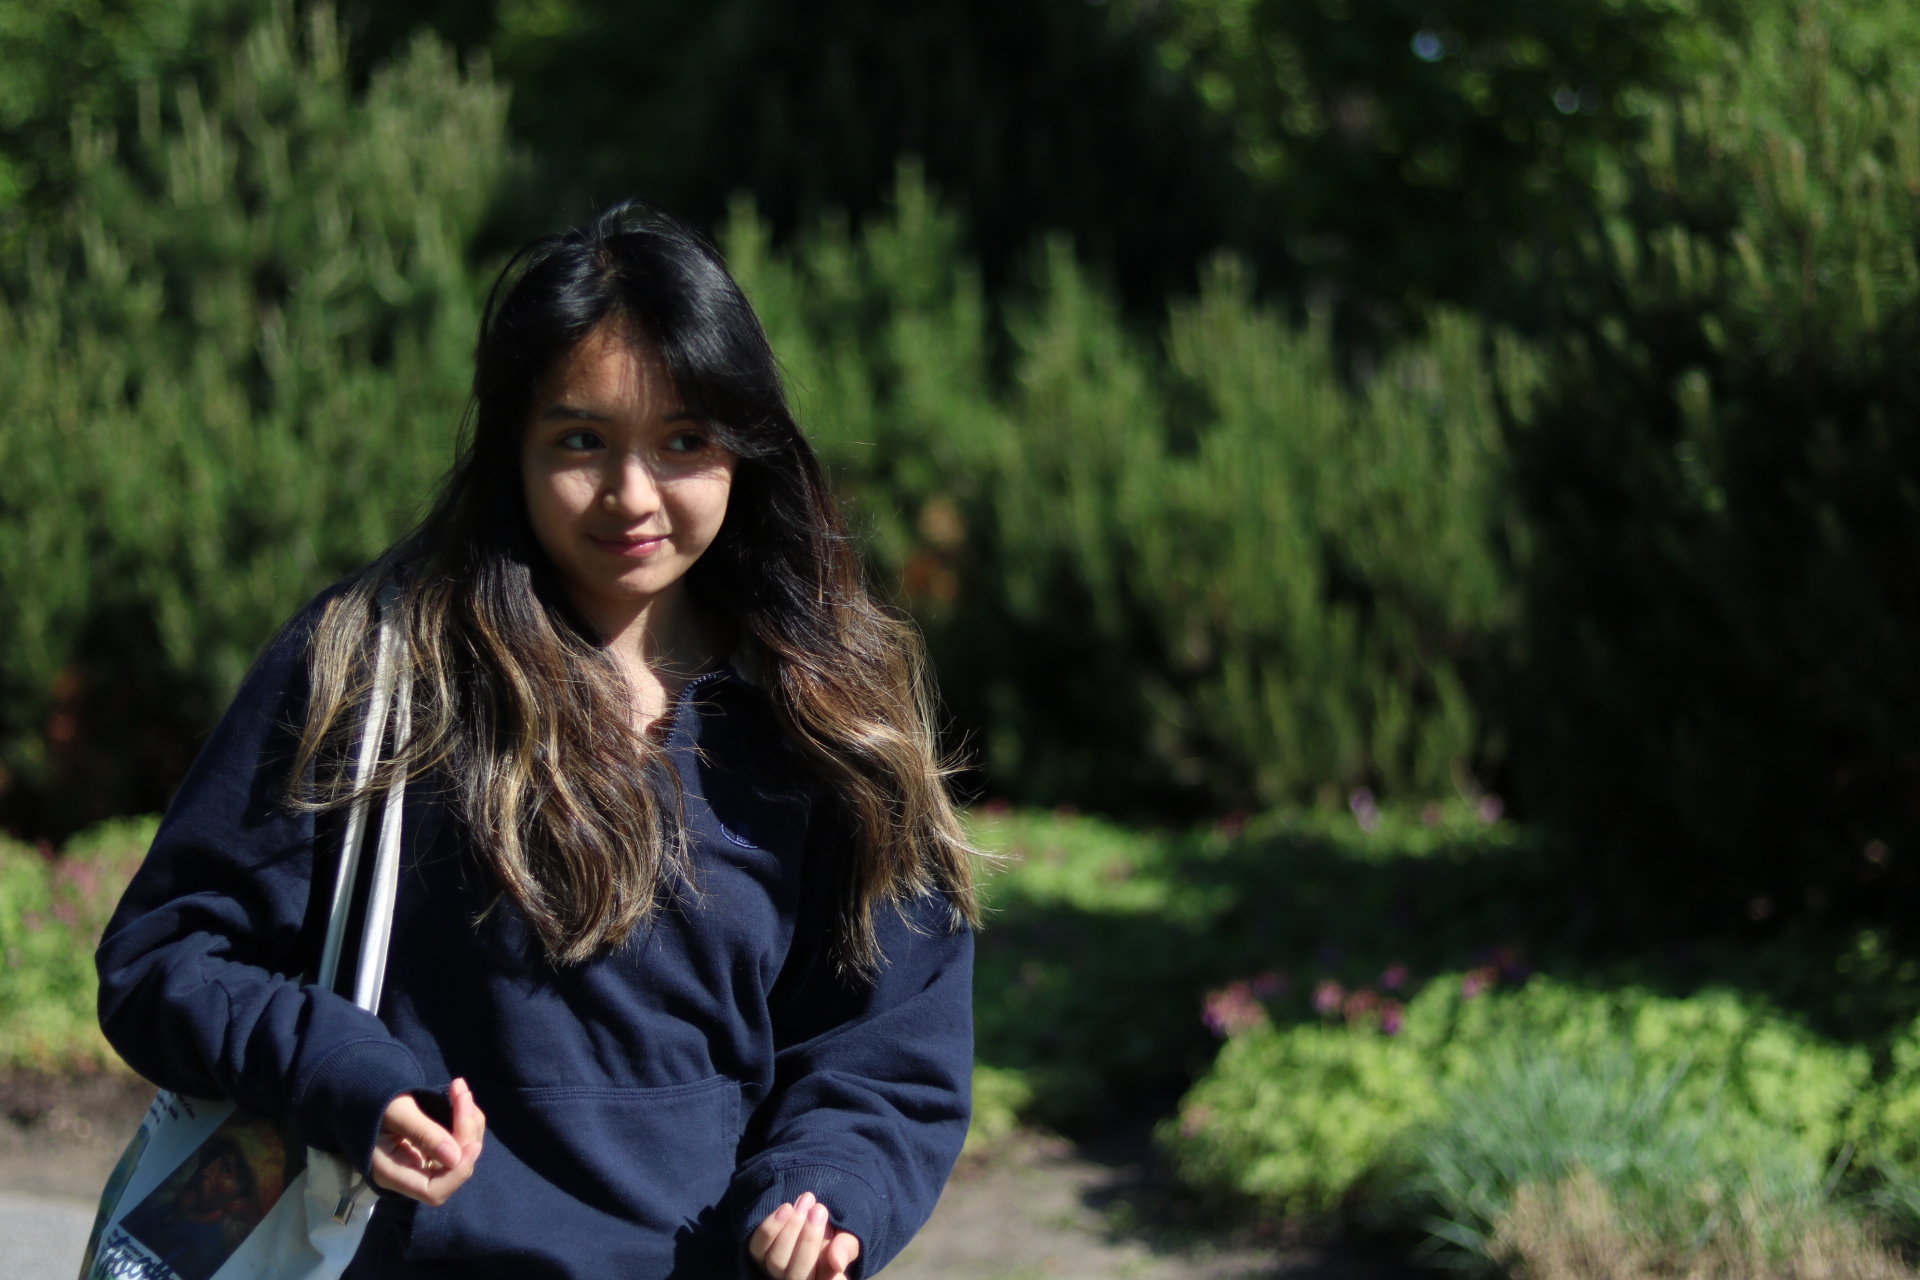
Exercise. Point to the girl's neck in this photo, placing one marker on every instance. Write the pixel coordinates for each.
(659, 646)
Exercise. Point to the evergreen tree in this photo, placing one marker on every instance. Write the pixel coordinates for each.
(1032, 115)
(1720, 697)
(231, 382)
(1190, 576)
(62, 56)
(1413, 151)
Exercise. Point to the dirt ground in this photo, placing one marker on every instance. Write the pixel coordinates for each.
(1036, 1208)
(61, 1134)
(1039, 1208)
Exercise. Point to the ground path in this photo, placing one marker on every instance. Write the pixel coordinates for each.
(1036, 1209)
(1041, 1209)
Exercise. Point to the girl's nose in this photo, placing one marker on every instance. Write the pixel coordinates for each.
(630, 490)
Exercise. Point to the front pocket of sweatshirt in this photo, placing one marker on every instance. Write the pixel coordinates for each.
(599, 1170)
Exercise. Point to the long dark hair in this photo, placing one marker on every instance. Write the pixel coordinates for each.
(515, 701)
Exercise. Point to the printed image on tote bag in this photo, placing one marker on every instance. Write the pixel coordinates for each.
(201, 1212)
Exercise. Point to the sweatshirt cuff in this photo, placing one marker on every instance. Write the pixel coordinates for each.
(344, 1097)
(852, 1204)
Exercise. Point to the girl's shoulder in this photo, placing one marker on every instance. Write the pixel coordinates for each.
(281, 669)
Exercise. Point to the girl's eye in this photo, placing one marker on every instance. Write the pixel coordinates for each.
(580, 441)
(686, 442)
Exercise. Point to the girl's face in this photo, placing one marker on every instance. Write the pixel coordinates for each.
(625, 488)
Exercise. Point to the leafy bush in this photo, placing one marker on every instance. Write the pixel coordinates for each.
(1302, 1119)
(52, 912)
(999, 1098)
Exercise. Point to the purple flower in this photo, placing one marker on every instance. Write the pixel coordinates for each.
(1328, 997)
(1233, 1009)
(1364, 809)
(1490, 809)
(1474, 981)
(1393, 1016)
(1394, 978)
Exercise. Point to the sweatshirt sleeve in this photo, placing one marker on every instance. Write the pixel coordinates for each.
(200, 967)
(873, 1086)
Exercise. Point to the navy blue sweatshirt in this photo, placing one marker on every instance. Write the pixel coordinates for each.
(645, 1110)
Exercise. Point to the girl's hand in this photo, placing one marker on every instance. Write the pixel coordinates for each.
(796, 1242)
(422, 1161)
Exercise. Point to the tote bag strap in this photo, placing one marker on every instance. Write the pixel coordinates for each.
(392, 685)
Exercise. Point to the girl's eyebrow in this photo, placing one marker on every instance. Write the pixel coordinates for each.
(574, 413)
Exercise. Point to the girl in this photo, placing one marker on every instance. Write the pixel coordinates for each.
(680, 975)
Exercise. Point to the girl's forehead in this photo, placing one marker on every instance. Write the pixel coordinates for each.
(612, 364)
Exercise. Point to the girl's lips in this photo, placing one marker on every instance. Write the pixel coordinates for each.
(631, 548)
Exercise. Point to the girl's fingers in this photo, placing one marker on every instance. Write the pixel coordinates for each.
(764, 1234)
(806, 1252)
(396, 1175)
(469, 1122)
(446, 1183)
(842, 1250)
(430, 1185)
(781, 1252)
(797, 1242)
(406, 1123)
(418, 1158)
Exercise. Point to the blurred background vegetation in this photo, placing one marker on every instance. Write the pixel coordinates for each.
(1441, 475)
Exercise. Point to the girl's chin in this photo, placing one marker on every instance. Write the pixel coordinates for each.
(638, 586)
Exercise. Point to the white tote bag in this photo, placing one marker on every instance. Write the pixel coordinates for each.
(210, 1191)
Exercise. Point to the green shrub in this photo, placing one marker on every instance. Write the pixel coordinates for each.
(1887, 1130)
(52, 912)
(999, 1098)
(58, 57)
(1301, 1119)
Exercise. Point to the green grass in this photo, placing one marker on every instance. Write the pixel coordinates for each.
(1683, 1174)
(1102, 941)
